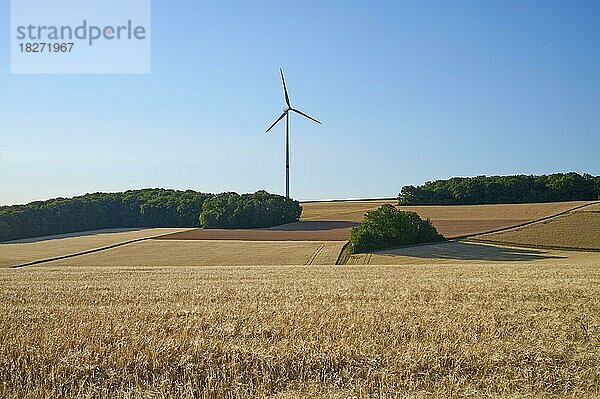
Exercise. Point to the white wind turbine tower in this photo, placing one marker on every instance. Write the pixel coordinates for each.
(286, 115)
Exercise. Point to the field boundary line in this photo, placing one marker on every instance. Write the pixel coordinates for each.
(349, 200)
(86, 252)
(545, 218)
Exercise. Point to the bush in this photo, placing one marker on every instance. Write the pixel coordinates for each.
(261, 209)
(388, 227)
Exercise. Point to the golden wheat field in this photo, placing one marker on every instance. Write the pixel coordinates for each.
(485, 329)
(258, 319)
(451, 221)
(15, 253)
(212, 253)
(579, 229)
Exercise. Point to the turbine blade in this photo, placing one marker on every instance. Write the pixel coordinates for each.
(306, 116)
(285, 92)
(276, 122)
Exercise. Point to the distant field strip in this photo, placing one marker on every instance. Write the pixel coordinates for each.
(152, 253)
(450, 220)
(471, 253)
(23, 252)
(578, 229)
(300, 231)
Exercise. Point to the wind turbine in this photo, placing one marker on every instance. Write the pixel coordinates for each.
(286, 115)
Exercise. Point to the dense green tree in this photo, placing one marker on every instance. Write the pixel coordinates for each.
(389, 227)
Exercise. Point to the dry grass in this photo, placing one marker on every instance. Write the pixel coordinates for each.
(212, 253)
(509, 329)
(25, 251)
(579, 229)
(452, 221)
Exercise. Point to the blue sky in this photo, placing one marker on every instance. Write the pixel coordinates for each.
(407, 92)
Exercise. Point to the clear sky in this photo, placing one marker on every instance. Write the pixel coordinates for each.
(407, 92)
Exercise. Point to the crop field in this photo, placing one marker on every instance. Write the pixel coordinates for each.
(451, 221)
(24, 251)
(298, 231)
(472, 253)
(519, 328)
(187, 318)
(332, 221)
(185, 253)
(579, 229)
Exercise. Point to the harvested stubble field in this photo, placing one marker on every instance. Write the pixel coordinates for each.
(15, 253)
(579, 229)
(510, 329)
(451, 221)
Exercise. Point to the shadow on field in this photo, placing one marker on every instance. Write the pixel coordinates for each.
(70, 235)
(313, 225)
(468, 251)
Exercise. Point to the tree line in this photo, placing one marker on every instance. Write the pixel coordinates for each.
(503, 190)
(143, 208)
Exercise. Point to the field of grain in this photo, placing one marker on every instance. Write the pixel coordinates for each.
(518, 328)
(275, 319)
(24, 251)
(579, 229)
(185, 253)
(451, 221)
(298, 231)
(471, 253)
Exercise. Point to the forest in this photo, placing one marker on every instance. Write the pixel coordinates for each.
(140, 209)
(503, 190)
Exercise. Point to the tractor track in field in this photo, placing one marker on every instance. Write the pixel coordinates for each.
(86, 252)
(314, 255)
